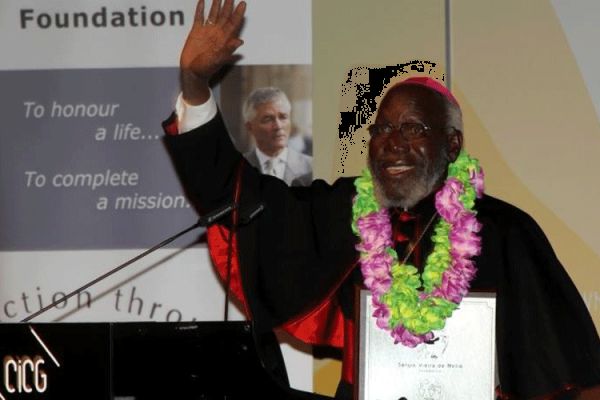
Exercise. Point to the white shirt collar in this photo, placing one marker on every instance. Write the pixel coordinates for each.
(262, 157)
(279, 162)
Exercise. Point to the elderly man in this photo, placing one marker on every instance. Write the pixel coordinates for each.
(267, 119)
(416, 220)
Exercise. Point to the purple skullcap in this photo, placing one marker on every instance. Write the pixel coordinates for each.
(432, 84)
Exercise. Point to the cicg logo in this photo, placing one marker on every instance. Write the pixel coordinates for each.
(23, 374)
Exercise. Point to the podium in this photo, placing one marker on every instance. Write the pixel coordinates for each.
(131, 361)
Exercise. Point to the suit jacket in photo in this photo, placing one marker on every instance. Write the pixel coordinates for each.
(298, 168)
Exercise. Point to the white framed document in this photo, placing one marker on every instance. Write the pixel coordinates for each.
(460, 364)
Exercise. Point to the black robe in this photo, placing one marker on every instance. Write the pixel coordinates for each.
(300, 250)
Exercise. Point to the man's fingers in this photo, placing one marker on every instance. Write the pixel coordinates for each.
(213, 14)
(238, 17)
(199, 13)
(226, 11)
(235, 22)
(233, 44)
(234, 58)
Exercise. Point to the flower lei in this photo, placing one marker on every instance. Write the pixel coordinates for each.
(400, 307)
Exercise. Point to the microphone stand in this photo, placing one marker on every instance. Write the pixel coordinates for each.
(205, 220)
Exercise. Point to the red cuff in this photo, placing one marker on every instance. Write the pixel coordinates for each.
(170, 125)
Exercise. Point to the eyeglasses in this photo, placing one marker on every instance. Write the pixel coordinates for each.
(408, 130)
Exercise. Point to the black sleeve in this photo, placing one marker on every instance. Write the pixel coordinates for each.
(300, 247)
(546, 340)
(205, 160)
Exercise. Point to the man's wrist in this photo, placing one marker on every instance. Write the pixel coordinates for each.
(195, 90)
(190, 116)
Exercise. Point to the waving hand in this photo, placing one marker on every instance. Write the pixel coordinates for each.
(209, 46)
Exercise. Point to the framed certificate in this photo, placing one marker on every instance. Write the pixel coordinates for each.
(459, 364)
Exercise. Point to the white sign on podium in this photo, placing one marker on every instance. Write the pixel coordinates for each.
(460, 364)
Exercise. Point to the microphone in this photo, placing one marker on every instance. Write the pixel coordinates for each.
(205, 220)
(246, 215)
(249, 213)
(216, 214)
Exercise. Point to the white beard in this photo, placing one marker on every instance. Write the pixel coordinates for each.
(409, 197)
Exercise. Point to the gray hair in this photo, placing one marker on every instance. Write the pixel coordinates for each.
(453, 115)
(261, 96)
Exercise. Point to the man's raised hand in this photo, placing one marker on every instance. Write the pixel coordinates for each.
(209, 46)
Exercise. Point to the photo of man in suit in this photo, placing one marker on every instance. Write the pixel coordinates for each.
(266, 114)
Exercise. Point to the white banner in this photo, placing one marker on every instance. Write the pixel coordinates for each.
(86, 182)
(140, 33)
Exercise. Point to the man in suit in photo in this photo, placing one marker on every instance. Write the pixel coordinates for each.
(266, 115)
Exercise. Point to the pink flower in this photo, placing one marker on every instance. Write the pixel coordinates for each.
(456, 281)
(375, 269)
(464, 269)
(463, 237)
(376, 232)
(402, 335)
(464, 244)
(447, 202)
(468, 222)
(376, 264)
(377, 286)
(476, 177)
(381, 314)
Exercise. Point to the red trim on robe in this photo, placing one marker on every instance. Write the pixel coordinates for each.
(218, 248)
(348, 361)
(170, 126)
(323, 325)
